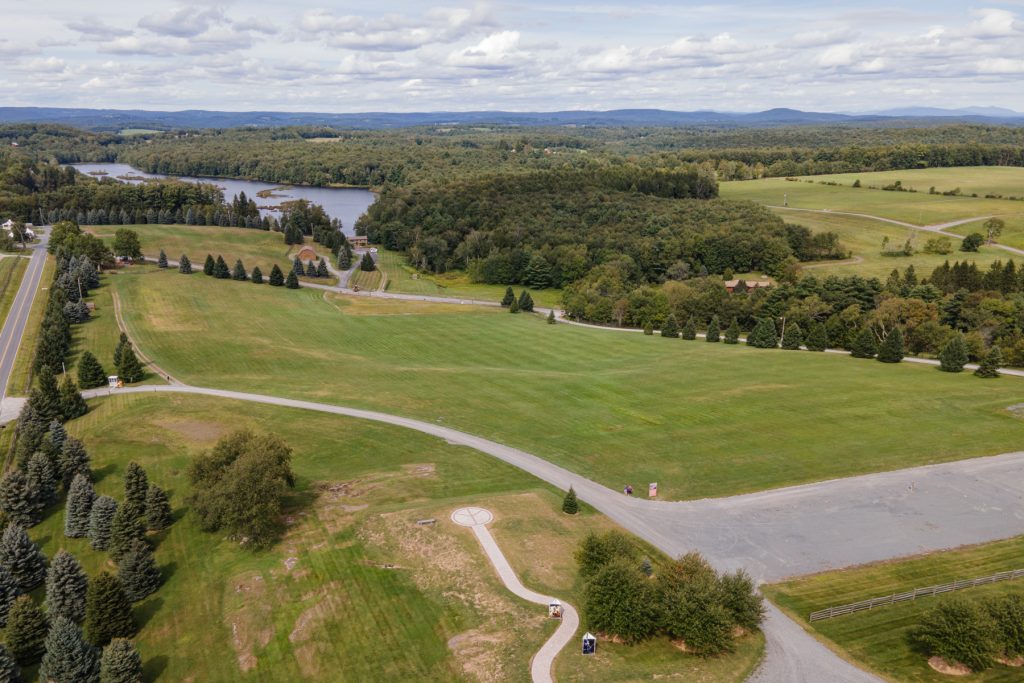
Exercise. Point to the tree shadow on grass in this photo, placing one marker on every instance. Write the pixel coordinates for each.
(153, 667)
(101, 473)
(145, 611)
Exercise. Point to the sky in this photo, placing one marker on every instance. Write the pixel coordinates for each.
(304, 55)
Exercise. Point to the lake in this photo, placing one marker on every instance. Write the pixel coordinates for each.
(346, 204)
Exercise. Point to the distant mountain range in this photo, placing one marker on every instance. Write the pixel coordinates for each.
(118, 119)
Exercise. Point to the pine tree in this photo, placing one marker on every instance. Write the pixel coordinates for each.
(81, 497)
(68, 658)
(367, 263)
(310, 269)
(732, 333)
(130, 369)
(297, 266)
(989, 366)
(101, 517)
(209, 265)
(649, 328)
(184, 265)
(10, 672)
(220, 269)
(689, 329)
(714, 330)
(41, 481)
(161, 262)
(90, 373)
(514, 306)
(671, 327)
(570, 505)
(321, 268)
(108, 612)
(292, 281)
(22, 558)
(158, 509)
(46, 398)
(17, 500)
(764, 335)
(891, 349)
(257, 276)
(551, 317)
(138, 572)
(72, 404)
(25, 632)
(509, 297)
(73, 460)
(276, 277)
(793, 337)
(66, 584)
(122, 343)
(239, 271)
(125, 529)
(817, 337)
(525, 302)
(120, 663)
(864, 346)
(954, 354)
(9, 592)
(136, 485)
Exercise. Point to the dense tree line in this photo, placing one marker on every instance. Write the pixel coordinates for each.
(973, 633)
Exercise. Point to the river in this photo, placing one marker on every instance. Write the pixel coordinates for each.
(344, 203)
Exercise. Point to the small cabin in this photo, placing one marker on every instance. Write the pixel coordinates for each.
(306, 254)
(358, 241)
(731, 285)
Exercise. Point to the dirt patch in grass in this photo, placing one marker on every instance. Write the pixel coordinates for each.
(478, 653)
(944, 667)
(248, 617)
(308, 650)
(194, 430)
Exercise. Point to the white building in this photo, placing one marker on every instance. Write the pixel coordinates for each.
(8, 225)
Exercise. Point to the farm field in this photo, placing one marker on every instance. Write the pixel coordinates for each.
(321, 600)
(878, 637)
(708, 419)
(863, 237)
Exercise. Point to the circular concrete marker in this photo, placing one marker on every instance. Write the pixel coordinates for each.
(472, 516)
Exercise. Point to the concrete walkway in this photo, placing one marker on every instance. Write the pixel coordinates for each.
(477, 519)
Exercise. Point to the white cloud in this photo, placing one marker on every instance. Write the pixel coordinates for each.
(92, 28)
(496, 51)
(181, 22)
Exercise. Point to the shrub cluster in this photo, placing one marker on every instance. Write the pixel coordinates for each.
(973, 633)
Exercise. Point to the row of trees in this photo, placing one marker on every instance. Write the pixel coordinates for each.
(685, 599)
(524, 302)
(218, 268)
(973, 633)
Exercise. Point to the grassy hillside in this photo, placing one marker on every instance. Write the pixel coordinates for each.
(700, 419)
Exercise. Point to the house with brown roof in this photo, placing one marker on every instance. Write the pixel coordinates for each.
(731, 285)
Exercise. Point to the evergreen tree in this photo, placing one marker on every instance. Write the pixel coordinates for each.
(345, 257)
(570, 505)
(101, 517)
(321, 268)
(125, 529)
(525, 302)
(551, 317)
(297, 266)
(509, 297)
(10, 672)
(310, 269)
(649, 328)
(158, 509)
(184, 265)
(292, 281)
(68, 658)
(276, 277)
(46, 398)
(9, 592)
(690, 329)
(73, 460)
(764, 335)
(239, 271)
(864, 346)
(220, 269)
(161, 262)
(90, 373)
(25, 632)
(122, 343)
(817, 337)
(108, 612)
(714, 330)
(209, 265)
(136, 485)
(989, 366)
(514, 306)
(671, 327)
(72, 404)
(732, 333)
(138, 572)
(66, 584)
(257, 276)
(953, 356)
(22, 558)
(130, 369)
(891, 349)
(81, 497)
(17, 500)
(367, 263)
(41, 480)
(120, 663)
(793, 337)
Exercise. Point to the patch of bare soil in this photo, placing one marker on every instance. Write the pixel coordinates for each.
(308, 650)
(944, 667)
(248, 617)
(479, 653)
(194, 430)
(1016, 662)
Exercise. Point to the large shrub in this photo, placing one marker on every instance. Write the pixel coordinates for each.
(959, 631)
(619, 600)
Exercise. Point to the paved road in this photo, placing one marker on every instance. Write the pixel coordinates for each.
(17, 318)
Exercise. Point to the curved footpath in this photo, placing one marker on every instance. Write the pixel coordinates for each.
(477, 519)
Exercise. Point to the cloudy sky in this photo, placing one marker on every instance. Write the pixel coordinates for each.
(304, 55)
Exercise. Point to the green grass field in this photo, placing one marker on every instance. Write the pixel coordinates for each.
(11, 272)
(321, 605)
(878, 637)
(701, 419)
(863, 237)
(367, 280)
(1007, 181)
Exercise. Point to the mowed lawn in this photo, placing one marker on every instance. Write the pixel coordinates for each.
(1007, 181)
(879, 637)
(355, 590)
(863, 237)
(700, 419)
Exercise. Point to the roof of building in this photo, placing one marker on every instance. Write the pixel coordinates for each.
(750, 283)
